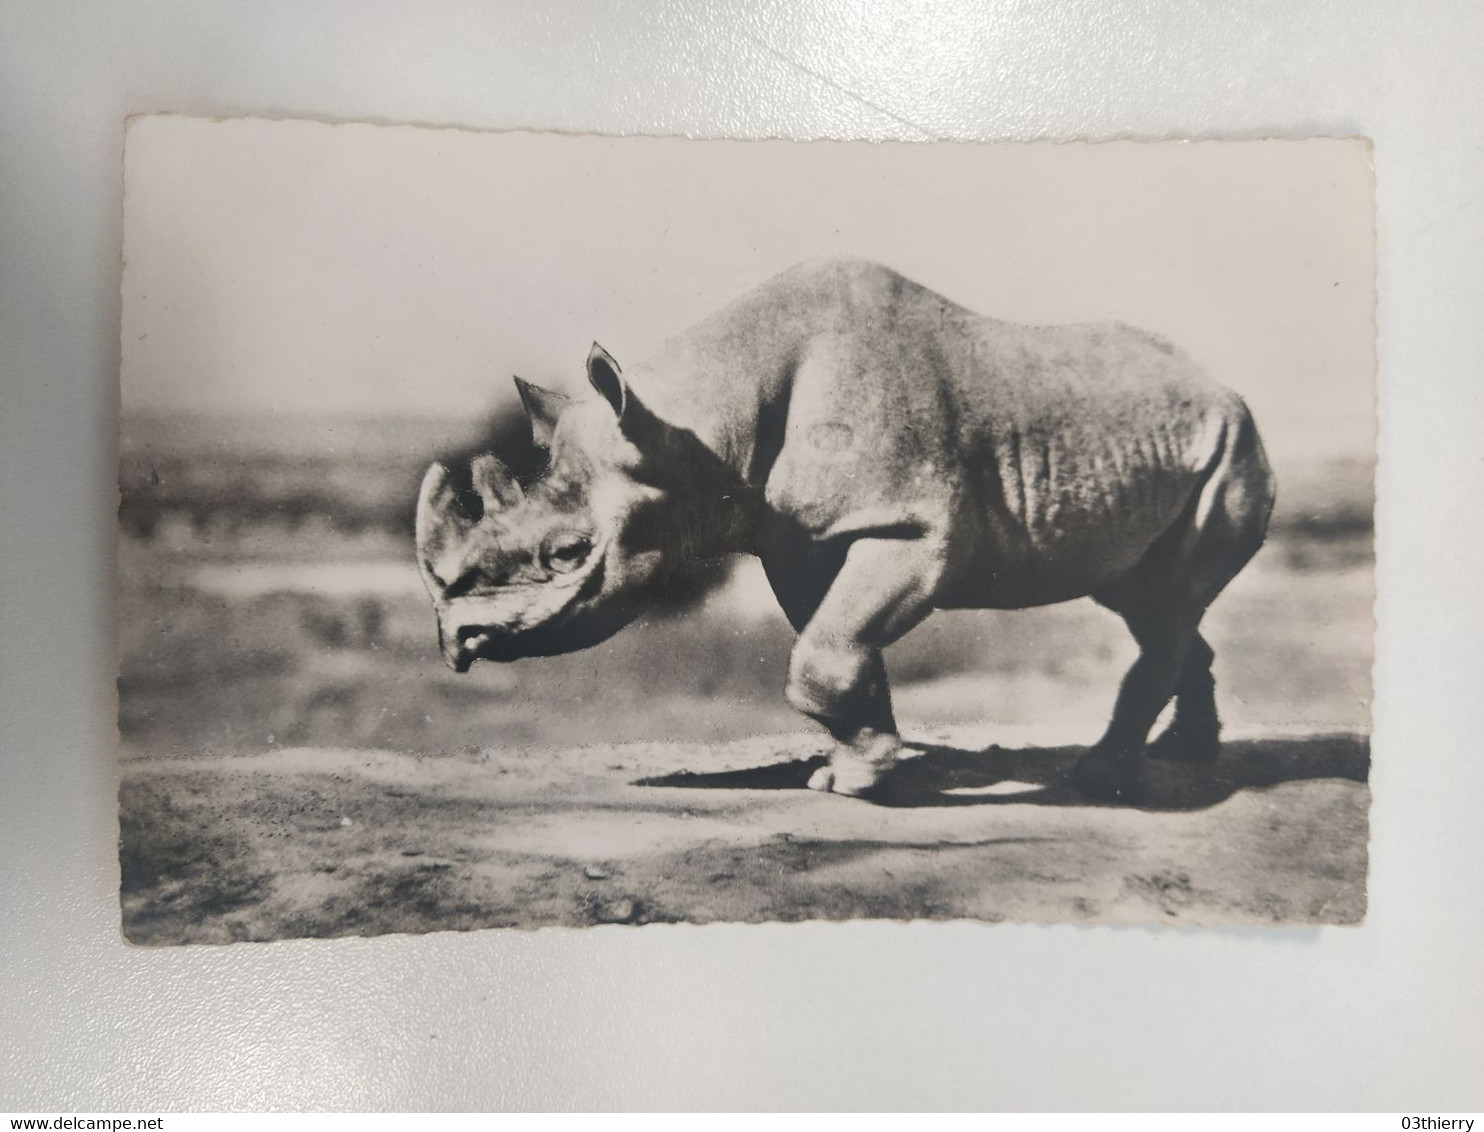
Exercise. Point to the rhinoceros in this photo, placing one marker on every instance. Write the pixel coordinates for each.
(885, 452)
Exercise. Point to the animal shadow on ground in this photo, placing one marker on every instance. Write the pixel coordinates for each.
(932, 775)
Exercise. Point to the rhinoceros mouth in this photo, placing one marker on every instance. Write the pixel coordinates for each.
(566, 630)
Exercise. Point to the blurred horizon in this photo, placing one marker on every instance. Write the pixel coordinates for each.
(1317, 484)
(269, 594)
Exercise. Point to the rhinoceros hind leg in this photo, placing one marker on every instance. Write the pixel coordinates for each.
(1194, 735)
(1113, 770)
(1162, 600)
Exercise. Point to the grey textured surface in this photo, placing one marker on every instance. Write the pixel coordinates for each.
(820, 1015)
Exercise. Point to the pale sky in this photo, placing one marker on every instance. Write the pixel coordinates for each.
(302, 267)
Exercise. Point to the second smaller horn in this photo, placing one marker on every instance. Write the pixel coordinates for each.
(496, 485)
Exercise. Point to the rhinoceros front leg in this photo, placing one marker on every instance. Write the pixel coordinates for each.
(836, 676)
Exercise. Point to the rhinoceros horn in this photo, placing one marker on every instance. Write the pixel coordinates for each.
(441, 525)
(496, 484)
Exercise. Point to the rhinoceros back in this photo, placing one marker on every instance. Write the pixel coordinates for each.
(1046, 459)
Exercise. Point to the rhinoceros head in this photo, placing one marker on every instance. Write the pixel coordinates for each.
(554, 565)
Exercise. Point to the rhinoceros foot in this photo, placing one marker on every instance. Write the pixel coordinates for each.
(856, 770)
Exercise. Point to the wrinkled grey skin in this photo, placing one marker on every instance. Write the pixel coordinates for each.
(885, 453)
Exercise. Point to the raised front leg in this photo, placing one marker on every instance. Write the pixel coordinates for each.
(882, 588)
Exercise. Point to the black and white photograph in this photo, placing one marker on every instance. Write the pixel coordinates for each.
(524, 530)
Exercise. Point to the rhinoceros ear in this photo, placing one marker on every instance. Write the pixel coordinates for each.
(607, 379)
(543, 407)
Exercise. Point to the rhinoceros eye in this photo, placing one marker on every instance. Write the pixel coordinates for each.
(565, 551)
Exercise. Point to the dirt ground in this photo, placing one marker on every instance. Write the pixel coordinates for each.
(330, 842)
